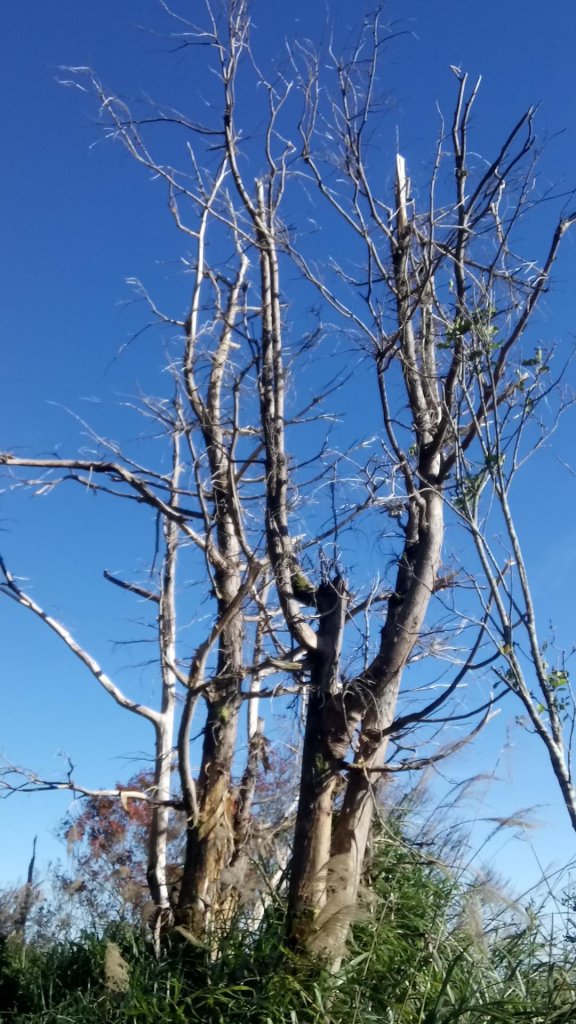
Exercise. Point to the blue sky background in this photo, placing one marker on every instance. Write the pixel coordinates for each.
(78, 219)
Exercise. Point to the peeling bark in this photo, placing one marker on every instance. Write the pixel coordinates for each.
(210, 838)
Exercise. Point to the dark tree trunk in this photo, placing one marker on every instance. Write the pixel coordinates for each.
(326, 741)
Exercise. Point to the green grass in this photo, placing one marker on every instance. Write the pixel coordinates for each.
(431, 949)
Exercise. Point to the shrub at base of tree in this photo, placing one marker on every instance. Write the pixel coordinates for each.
(431, 948)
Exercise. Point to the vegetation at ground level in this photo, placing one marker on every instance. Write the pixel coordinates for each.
(431, 947)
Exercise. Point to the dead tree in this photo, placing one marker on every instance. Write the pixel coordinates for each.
(220, 513)
(442, 304)
(532, 669)
(440, 307)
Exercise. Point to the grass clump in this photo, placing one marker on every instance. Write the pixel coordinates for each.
(431, 949)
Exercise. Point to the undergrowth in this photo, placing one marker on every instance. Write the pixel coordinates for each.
(431, 949)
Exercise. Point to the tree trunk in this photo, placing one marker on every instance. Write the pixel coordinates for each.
(209, 838)
(406, 611)
(25, 900)
(245, 793)
(158, 841)
(164, 726)
(326, 741)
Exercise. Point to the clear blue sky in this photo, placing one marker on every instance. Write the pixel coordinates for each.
(78, 219)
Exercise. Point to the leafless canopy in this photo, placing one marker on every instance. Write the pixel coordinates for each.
(257, 492)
